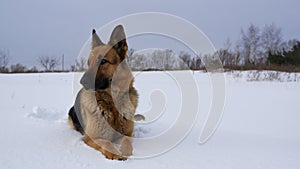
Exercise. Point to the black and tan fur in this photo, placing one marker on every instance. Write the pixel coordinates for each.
(104, 108)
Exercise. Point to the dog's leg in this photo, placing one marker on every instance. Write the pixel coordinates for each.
(105, 147)
(74, 121)
(126, 146)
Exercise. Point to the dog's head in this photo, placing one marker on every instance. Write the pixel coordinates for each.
(106, 64)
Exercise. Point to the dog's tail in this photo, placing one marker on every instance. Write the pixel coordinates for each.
(139, 117)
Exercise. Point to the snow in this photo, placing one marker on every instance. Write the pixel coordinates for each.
(259, 128)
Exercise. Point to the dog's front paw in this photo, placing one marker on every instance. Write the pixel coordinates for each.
(113, 156)
(126, 147)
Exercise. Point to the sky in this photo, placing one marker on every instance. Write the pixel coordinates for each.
(34, 28)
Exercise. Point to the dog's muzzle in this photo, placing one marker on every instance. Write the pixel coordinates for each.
(87, 82)
(91, 82)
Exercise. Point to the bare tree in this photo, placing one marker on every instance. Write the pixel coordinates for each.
(73, 68)
(130, 52)
(18, 68)
(271, 39)
(4, 59)
(186, 58)
(225, 54)
(129, 57)
(289, 45)
(246, 48)
(34, 69)
(158, 59)
(250, 41)
(48, 63)
(168, 59)
(228, 44)
(237, 54)
(196, 63)
(226, 57)
(80, 64)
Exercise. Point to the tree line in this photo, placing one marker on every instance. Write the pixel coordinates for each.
(255, 48)
(49, 64)
(259, 46)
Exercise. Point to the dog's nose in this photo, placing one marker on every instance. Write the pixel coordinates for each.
(83, 81)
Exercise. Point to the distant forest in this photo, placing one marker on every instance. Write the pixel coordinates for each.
(256, 49)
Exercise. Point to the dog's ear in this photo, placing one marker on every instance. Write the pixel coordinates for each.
(118, 41)
(96, 40)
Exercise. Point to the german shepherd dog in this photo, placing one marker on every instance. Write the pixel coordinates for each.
(104, 108)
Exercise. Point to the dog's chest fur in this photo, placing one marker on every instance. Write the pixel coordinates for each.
(108, 117)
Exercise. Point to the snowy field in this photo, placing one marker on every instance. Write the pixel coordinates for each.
(260, 128)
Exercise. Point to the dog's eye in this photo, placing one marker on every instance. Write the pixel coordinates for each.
(103, 61)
